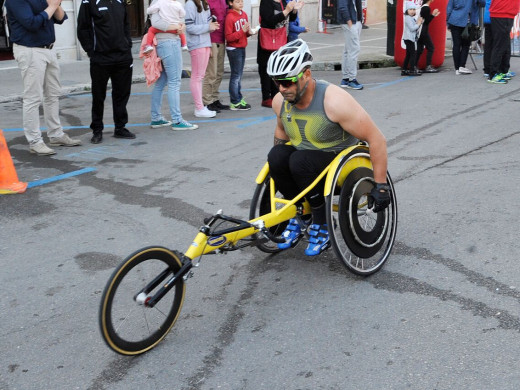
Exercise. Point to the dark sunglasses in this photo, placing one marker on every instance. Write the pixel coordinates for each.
(287, 82)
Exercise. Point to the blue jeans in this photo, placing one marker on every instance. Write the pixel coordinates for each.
(237, 58)
(170, 53)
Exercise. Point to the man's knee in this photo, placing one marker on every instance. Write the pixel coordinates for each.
(279, 156)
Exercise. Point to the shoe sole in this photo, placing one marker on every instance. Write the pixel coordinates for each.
(63, 144)
(205, 116)
(184, 128)
(123, 137)
(356, 89)
(240, 109)
(158, 126)
(496, 82)
(41, 154)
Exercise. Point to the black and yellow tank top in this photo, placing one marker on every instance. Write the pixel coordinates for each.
(311, 129)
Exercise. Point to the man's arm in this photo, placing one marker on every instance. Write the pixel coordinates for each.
(343, 109)
(84, 27)
(59, 14)
(280, 136)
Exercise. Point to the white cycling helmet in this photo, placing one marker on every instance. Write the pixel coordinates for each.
(289, 60)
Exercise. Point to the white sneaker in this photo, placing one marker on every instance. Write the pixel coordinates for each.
(41, 149)
(205, 113)
(64, 140)
(457, 72)
(185, 48)
(463, 70)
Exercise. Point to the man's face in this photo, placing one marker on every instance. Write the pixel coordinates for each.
(289, 87)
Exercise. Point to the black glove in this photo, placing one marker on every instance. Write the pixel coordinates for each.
(380, 195)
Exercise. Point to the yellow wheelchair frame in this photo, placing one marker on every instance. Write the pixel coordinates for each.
(362, 246)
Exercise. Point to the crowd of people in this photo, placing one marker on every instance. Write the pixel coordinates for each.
(210, 30)
(461, 17)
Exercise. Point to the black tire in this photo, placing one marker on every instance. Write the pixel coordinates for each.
(130, 328)
(260, 205)
(362, 240)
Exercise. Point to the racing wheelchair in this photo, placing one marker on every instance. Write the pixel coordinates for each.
(143, 298)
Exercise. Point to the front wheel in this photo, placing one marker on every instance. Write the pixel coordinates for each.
(261, 205)
(128, 326)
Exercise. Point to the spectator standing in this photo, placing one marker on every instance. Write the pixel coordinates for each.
(199, 25)
(410, 39)
(425, 40)
(502, 13)
(350, 17)
(295, 29)
(237, 30)
(215, 68)
(458, 14)
(273, 15)
(104, 33)
(32, 33)
(488, 40)
(169, 50)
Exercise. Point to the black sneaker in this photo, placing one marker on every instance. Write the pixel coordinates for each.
(213, 107)
(123, 133)
(220, 105)
(97, 138)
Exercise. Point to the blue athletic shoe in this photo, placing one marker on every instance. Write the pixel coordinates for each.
(319, 240)
(511, 74)
(353, 84)
(344, 83)
(292, 234)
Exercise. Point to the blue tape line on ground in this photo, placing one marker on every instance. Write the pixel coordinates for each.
(59, 177)
(212, 120)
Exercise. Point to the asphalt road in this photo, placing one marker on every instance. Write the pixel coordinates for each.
(442, 314)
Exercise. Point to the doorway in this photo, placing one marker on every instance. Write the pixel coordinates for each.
(135, 9)
(6, 51)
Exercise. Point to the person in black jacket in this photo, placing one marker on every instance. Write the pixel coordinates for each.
(425, 39)
(273, 14)
(104, 33)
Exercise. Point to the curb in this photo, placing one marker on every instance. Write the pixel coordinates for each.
(186, 73)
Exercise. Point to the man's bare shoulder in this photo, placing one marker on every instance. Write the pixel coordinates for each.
(277, 103)
(338, 103)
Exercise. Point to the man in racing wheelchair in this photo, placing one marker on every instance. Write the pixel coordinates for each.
(320, 120)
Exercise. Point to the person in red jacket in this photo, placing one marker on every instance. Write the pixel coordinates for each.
(237, 30)
(502, 14)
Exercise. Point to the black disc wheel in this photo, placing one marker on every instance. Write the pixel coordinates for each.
(128, 325)
(361, 239)
(260, 205)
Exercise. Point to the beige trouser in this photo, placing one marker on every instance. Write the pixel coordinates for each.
(214, 73)
(41, 85)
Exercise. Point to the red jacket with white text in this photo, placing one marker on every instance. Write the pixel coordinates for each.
(235, 36)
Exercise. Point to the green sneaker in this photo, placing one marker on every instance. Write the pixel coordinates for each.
(497, 79)
(240, 106)
(160, 123)
(183, 125)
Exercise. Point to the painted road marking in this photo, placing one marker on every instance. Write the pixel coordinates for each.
(41, 182)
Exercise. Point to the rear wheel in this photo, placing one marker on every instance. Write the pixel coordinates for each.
(127, 325)
(361, 239)
(260, 205)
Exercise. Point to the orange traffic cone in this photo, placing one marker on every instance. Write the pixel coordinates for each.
(9, 183)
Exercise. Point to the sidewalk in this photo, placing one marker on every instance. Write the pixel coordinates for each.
(326, 48)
